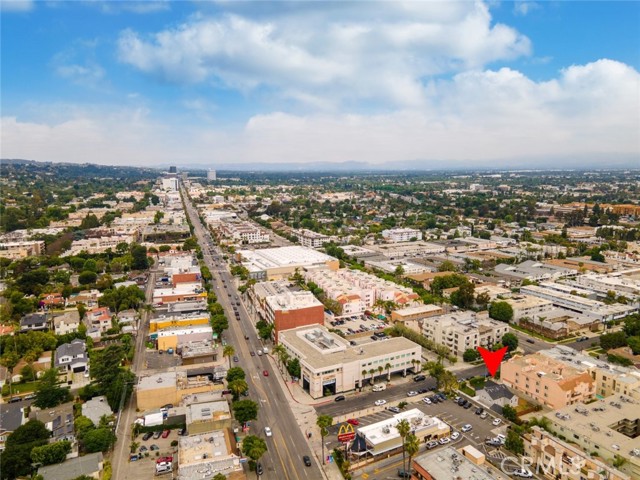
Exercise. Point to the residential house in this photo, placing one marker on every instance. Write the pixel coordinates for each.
(58, 420)
(12, 416)
(96, 408)
(496, 394)
(34, 321)
(90, 465)
(68, 322)
(98, 318)
(72, 357)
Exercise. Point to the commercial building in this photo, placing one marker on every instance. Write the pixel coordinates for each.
(203, 456)
(280, 263)
(244, 232)
(554, 458)
(154, 391)
(463, 330)
(180, 293)
(173, 337)
(401, 235)
(415, 314)
(285, 308)
(198, 351)
(454, 464)
(576, 303)
(170, 183)
(535, 271)
(560, 323)
(211, 175)
(618, 283)
(608, 428)
(547, 380)
(408, 249)
(330, 365)
(527, 306)
(184, 320)
(382, 437)
(207, 415)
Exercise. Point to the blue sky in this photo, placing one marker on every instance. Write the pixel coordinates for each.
(226, 83)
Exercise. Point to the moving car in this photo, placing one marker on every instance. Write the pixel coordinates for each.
(419, 378)
(403, 473)
(306, 460)
(523, 473)
(467, 428)
(259, 469)
(496, 422)
(267, 432)
(265, 373)
(339, 398)
(530, 340)
(379, 403)
(412, 393)
(353, 421)
(236, 359)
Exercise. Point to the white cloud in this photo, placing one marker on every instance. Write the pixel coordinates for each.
(16, 5)
(78, 64)
(341, 52)
(523, 7)
(478, 117)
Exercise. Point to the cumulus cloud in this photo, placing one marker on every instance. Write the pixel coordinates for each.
(488, 117)
(338, 52)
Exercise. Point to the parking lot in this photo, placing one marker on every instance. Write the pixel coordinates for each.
(155, 360)
(145, 467)
(358, 324)
(448, 411)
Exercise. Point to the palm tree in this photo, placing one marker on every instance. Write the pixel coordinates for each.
(364, 375)
(278, 351)
(403, 427)
(228, 351)
(412, 446)
(371, 372)
(324, 422)
(380, 370)
(542, 422)
(388, 367)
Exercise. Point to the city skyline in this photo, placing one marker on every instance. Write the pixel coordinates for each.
(423, 85)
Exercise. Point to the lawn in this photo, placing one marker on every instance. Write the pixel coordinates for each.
(20, 388)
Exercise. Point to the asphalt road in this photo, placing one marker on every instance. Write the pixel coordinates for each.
(286, 447)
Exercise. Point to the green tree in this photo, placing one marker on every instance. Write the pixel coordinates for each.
(510, 413)
(16, 458)
(613, 340)
(293, 367)
(254, 447)
(48, 393)
(238, 387)
(510, 340)
(514, 442)
(403, 427)
(235, 373)
(228, 351)
(98, 440)
(219, 323)
(245, 410)
(139, 259)
(470, 355)
(464, 297)
(220, 476)
(51, 453)
(411, 446)
(87, 277)
(264, 329)
(447, 266)
(501, 311)
(9, 360)
(447, 382)
(324, 422)
(90, 221)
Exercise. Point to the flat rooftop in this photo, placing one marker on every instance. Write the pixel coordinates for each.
(385, 430)
(208, 411)
(450, 464)
(158, 380)
(258, 260)
(321, 348)
(202, 456)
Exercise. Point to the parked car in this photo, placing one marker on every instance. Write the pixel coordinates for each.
(306, 460)
(379, 403)
(259, 469)
(403, 473)
(182, 432)
(455, 435)
(479, 411)
(339, 398)
(353, 421)
(412, 393)
(423, 390)
(432, 444)
(523, 473)
(467, 428)
(147, 436)
(484, 415)
(143, 449)
(154, 447)
(157, 434)
(445, 440)
(496, 422)
(427, 400)
(419, 378)
(394, 409)
(468, 405)
(252, 353)
(166, 433)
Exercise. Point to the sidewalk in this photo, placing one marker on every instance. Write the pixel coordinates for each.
(305, 415)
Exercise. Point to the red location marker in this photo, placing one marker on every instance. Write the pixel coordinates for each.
(492, 359)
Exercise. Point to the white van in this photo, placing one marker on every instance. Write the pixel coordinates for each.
(379, 387)
(164, 468)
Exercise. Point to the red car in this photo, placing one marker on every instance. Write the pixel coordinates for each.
(353, 421)
(166, 433)
(164, 460)
(265, 373)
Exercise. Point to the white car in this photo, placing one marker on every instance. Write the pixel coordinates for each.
(379, 403)
(501, 438)
(467, 428)
(445, 440)
(412, 393)
(523, 473)
(455, 435)
(484, 415)
(267, 432)
(496, 422)
(426, 400)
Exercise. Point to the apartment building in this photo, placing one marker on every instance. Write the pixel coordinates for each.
(311, 239)
(330, 365)
(417, 313)
(557, 459)
(527, 306)
(576, 303)
(18, 250)
(460, 331)
(279, 304)
(607, 429)
(619, 283)
(548, 381)
(244, 232)
(401, 235)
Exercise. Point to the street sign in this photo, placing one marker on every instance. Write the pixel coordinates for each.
(346, 433)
